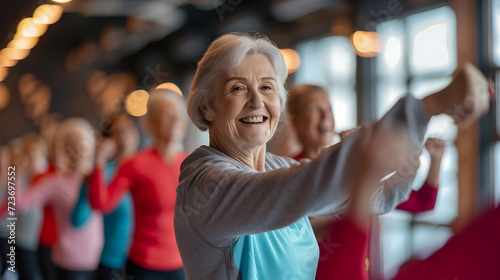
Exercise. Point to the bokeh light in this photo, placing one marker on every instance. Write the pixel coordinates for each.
(27, 85)
(365, 43)
(23, 43)
(96, 83)
(29, 28)
(6, 62)
(292, 59)
(170, 86)
(136, 103)
(14, 54)
(38, 103)
(47, 14)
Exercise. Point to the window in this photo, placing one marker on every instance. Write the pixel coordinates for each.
(495, 58)
(331, 63)
(495, 27)
(409, 63)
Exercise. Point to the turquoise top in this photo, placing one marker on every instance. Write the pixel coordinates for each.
(269, 255)
(117, 225)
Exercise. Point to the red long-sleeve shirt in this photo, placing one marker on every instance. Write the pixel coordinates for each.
(422, 200)
(469, 255)
(48, 228)
(336, 267)
(152, 183)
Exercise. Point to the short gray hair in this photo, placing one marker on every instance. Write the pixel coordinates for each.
(75, 140)
(156, 96)
(225, 53)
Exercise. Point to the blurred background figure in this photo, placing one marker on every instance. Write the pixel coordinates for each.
(48, 229)
(311, 115)
(28, 224)
(76, 251)
(118, 224)
(4, 230)
(151, 176)
(27, 154)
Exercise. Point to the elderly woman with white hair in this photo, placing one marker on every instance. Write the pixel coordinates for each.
(151, 177)
(241, 213)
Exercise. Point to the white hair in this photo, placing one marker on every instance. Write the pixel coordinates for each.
(156, 98)
(155, 104)
(227, 52)
(75, 145)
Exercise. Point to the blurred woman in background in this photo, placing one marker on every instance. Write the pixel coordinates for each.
(48, 229)
(76, 252)
(121, 130)
(34, 153)
(4, 230)
(28, 156)
(311, 116)
(151, 177)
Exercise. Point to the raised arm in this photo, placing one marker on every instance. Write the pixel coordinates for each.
(106, 198)
(425, 198)
(40, 193)
(102, 197)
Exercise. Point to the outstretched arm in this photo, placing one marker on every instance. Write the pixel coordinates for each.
(222, 200)
(425, 198)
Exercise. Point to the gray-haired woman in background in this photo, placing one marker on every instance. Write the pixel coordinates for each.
(241, 213)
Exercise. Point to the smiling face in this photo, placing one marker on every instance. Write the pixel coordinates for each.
(245, 107)
(314, 120)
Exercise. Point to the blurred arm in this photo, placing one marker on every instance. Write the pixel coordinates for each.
(104, 198)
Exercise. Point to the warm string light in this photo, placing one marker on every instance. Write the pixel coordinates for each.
(47, 14)
(170, 86)
(14, 54)
(365, 43)
(28, 28)
(136, 103)
(6, 62)
(292, 59)
(27, 35)
(23, 43)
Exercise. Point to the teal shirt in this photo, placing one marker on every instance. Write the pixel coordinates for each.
(287, 253)
(117, 225)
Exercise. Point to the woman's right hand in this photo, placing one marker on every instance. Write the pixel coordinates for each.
(465, 99)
